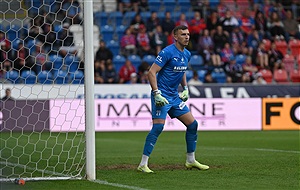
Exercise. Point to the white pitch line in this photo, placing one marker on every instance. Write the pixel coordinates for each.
(117, 185)
(256, 149)
(275, 150)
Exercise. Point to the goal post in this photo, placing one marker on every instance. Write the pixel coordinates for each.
(42, 138)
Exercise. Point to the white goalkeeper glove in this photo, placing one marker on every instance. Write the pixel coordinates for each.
(184, 96)
(159, 99)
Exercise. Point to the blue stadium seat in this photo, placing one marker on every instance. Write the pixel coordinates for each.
(184, 5)
(135, 60)
(115, 18)
(45, 77)
(72, 63)
(77, 77)
(30, 45)
(12, 76)
(220, 77)
(240, 59)
(169, 5)
(201, 74)
(61, 77)
(118, 61)
(16, 42)
(189, 15)
(175, 16)
(107, 33)
(145, 15)
(189, 74)
(120, 30)
(13, 32)
(28, 77)
(56, 60)
(128, 16)
(155, 5)
(214, 3)
(196, 62)
(100, 18)
(114, 46)
(149, 59)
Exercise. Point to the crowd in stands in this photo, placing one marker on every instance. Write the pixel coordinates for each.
(240, 41)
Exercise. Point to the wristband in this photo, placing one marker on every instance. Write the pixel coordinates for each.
(185, 88)
(155, 92)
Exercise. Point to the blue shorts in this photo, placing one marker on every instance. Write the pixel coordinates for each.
(175, 108)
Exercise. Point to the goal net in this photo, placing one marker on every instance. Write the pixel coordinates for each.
(42, 121)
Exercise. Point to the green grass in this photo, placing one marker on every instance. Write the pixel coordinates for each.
(238, 160)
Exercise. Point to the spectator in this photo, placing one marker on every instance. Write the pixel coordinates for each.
(135, 23)
(6, 56)
(128, 43)
(22, 60)
(291, 26)
(195, 79)
(206, 49)
(275, 58)
(133, 78)
(222, 8)
(4, 41)
(66, 41)
(125, 72)
(208, 78)
(258, 79)
(143, 42)
(276, 26)
(40, 58)
(249, 67)
(182, 20)
(103, 53)
(260, 23)
(124, 6)
(143, 67)
(261, 56)
(220, 38)
(167, 24)
(159, 39)
(237, 38)
(143, 5)
(253, 40)
(50, 44)
(234, 71)
(212, 23)
(152, 22)
(295, 8)
(110, 74)
(99, 71)
(229, 22)
(227, 53)
(7, 95)
(143, 78)
(71, 11)
(196, 27)
(35, 30)
(247, 23)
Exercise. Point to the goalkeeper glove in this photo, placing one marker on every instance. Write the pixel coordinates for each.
(159, 99)
(185, 94)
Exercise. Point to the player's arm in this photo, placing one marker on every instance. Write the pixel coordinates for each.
(185, 93)
(159, 99)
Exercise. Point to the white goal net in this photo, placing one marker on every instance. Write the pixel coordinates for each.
(42, 56)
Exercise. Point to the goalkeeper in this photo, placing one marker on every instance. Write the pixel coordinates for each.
(165, 75)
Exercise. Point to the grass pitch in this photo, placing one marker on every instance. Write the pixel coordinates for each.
(237, 160)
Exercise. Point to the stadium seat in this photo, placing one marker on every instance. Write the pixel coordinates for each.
(294, 46)
(16, 42)
(149, 59)
(295, 75)
(115, 18)
(13, 32)
(289, 62)
(240, 59)
(189, 74)
(28, 77)
(45, 77)
(145, 15)
(72, 63)
(201, 74)
(107, 33)
(135, 60)
(169, 5)
(120, 30)
(56, 60)
(100, 18)
(267, 75)
(281, 46)
(12, 76)
(118, 61)
(184, 5)
(114, 46)
(214, 3)
(77, 77)
(281, 76)
(220, 77)
(155, 5)
(61, 77)
(196, 62)
(128, 16)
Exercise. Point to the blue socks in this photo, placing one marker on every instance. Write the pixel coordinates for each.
(191, 137)
(152, 138)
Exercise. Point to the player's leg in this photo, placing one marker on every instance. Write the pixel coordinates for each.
(191, 137)
(159, 115)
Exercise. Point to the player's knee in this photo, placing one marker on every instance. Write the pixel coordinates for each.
(157, 128)
(193, 127)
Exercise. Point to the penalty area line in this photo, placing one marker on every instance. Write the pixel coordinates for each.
(117, 185)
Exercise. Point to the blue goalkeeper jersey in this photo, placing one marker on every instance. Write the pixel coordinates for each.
(173, 63)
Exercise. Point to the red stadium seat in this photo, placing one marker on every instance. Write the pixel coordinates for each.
(289, 62)
(294, 46)
(281, 76)
(295, 75)
(281, 46)
(267, 75)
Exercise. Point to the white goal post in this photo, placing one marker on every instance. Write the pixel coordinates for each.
(29, 149)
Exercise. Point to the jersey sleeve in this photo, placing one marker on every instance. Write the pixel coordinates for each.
(162, 58)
